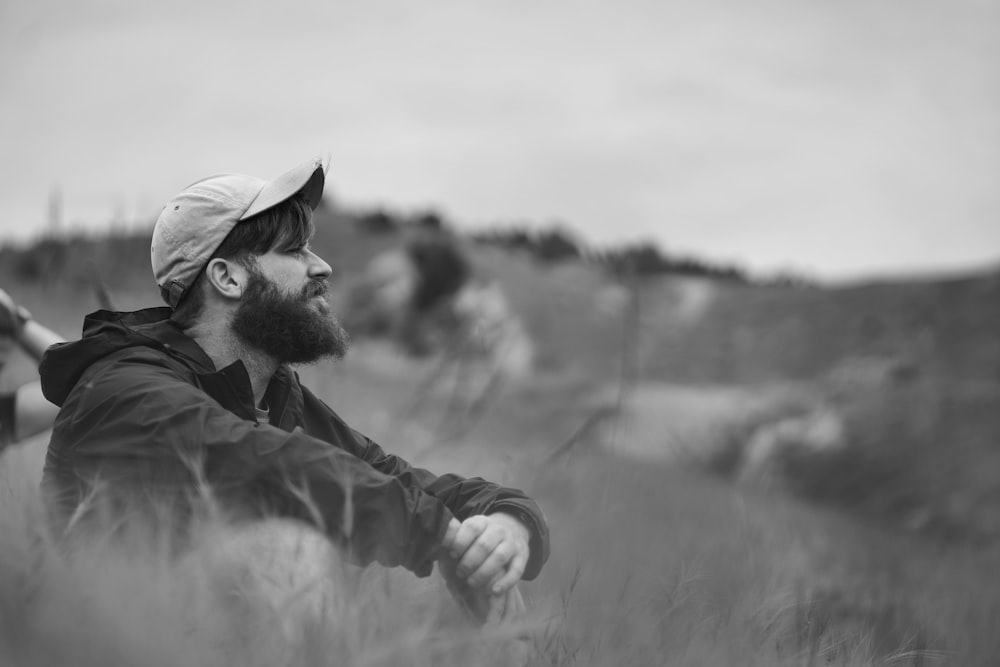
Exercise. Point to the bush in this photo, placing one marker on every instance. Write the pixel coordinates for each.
(442, 269)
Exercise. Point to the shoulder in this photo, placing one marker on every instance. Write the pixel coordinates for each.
(133, 370)
(142, 357)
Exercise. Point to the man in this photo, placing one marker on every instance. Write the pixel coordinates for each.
(23, 412)
(160, 403)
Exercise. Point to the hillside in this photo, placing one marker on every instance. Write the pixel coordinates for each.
(912, 368)
(877, 549)
(704, 330)
(685, 329)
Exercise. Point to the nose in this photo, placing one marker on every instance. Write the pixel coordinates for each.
(318, 268)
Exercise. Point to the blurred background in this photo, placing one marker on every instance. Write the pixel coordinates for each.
(717, 282)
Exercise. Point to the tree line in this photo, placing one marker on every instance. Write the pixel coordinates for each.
(639, 259)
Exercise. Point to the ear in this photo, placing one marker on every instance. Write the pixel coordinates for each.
(227, 278)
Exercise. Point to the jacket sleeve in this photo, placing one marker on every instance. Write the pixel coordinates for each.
(463, 496)
(138, 425)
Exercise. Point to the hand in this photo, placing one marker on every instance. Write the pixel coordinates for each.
(486, 607)
(505, 607)
(489, 551)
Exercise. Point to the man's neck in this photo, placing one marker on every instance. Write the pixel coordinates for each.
(223, 347)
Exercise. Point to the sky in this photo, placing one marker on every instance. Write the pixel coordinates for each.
(836, 138)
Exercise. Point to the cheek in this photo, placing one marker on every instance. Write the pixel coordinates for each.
(287, 275)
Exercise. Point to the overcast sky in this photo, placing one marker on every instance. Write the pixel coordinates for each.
(842, 138)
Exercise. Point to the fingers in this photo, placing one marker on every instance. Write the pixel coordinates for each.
(514, 606)
(448, 541)
(475, 541)
(488, 553)
(507, 578)
(506, 607)
(497, 610)
(474, 602)
(484, 558)
(493, 565)
(467, 534)
(484, 604)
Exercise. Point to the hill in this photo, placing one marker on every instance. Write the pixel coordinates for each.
(890, 537)
(678, 327)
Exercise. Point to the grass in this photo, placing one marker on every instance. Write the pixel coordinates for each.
(127, 601)
(651, 565)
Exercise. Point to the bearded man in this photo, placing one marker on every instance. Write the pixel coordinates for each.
(162, 405)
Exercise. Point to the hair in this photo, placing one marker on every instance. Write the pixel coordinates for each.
(281, 227)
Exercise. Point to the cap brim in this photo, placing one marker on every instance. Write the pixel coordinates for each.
(308, 179)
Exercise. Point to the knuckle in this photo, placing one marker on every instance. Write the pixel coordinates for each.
(476, 553)
(493, 538)
(498, 558)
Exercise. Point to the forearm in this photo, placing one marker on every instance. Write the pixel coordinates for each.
(372, 516)
(466, 497)
(463, 497)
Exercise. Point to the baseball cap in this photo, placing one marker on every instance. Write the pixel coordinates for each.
(194, 223)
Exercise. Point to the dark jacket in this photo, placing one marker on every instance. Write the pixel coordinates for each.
(146, 417)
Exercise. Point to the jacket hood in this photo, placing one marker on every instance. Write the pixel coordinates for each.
(106, 332)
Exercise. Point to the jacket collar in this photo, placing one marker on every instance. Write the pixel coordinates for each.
(229, 385)
(105, 332)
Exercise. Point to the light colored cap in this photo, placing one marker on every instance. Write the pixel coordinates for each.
(193, 224)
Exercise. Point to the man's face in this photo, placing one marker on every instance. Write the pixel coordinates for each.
(284, 311)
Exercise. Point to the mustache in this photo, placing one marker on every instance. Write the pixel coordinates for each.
(315, 288)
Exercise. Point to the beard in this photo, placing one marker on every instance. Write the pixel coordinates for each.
(286, 326)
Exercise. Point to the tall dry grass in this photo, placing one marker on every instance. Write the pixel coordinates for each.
(649, 567)
(126, 596)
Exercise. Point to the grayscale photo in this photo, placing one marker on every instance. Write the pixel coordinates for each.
(500, 334)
